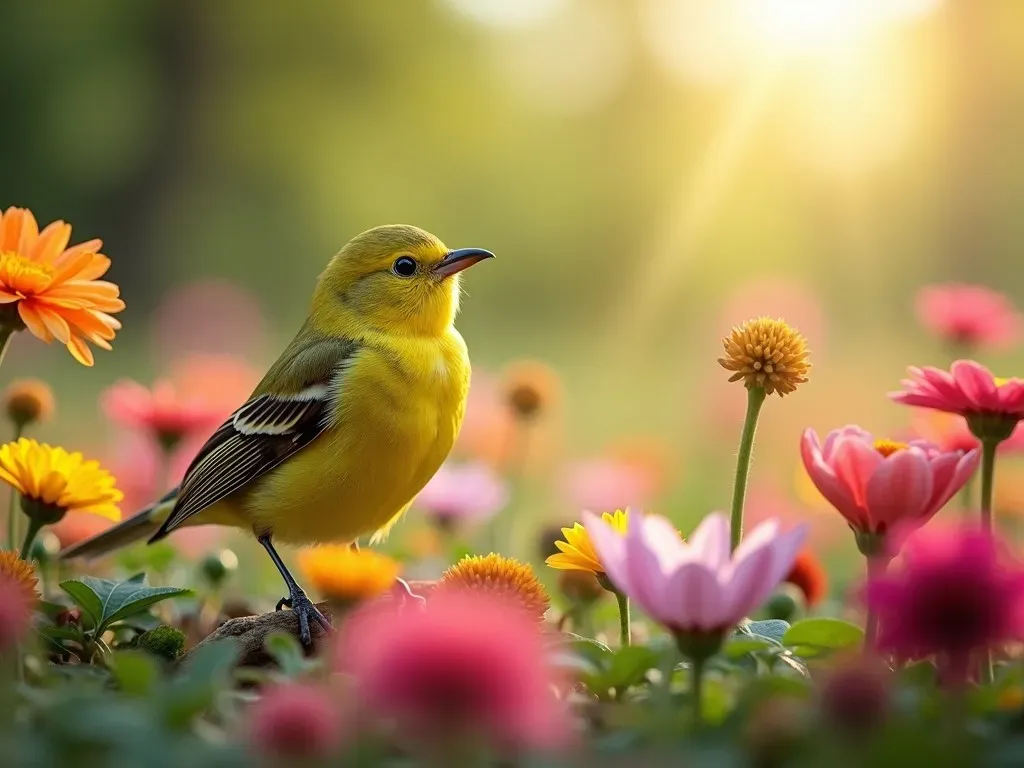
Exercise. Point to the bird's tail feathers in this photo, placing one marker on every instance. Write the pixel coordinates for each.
(136, 528)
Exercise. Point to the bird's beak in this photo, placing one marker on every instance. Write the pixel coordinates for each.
(460, 259)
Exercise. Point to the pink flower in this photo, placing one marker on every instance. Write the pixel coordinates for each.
(15, 614)
(470, 491)
(971, 315)
(968, 389)
(466, 666)
(160, 411)
(957, 592)
(878, 484)
(295, 721)
(696, 586)
(607, 484)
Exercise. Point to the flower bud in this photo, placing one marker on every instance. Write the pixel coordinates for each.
(27, 401)
(580, 586)
(786, 604)
(217, 567)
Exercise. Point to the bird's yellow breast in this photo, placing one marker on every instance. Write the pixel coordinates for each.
(398, 411)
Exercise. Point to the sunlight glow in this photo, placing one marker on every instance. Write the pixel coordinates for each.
(512, 14)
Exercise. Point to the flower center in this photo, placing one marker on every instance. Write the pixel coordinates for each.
(889, 447)
(23, 276)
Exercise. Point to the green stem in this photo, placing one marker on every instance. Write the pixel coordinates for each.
(12, 511)
(625, 635)
(755, 399)
(34, 527)
(988, 474)
(6, 332)
(697, 692)
(967, 495)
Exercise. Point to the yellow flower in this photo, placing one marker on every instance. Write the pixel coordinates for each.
(503, 577)
(766, 353)
(52, 482)
(27, 401)
(19, 573)
(53, 290)
(340, 572)
(577, 553)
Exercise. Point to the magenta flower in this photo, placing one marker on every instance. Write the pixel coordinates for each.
(463, 492)
(295, 721)
(465, 667)
(970, 315)
(878, 484)
(695, 586)
(968, 389)
(957, 593)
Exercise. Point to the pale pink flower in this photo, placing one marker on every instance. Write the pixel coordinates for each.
(971, 315)
(697, 585)
(968, 389)
(607, 484)
(466, 666)
(463, 492)
(160, 411)
(878, 484)
(295, 721)
(957, 592)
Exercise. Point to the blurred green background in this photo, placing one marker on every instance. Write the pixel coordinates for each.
(648, 172)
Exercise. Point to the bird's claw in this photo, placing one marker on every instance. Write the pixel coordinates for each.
(304, 611)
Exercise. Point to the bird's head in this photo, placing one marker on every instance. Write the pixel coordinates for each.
(395, 278)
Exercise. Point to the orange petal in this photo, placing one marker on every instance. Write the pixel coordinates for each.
(54, 322)
(33, 322)
(52, 242)
(80, 351)
(29, 232)
(69, 268)
(7, 298)
(10, 235)
(98, 268)
(89, 246)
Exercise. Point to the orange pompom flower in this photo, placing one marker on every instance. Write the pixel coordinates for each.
(53, 290)
(501, 577)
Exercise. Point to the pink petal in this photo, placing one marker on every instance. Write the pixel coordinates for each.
(952, 479)
(611, 548)
(850, 430)
(647, 579)
(694, 599)
(825, 480)
(747, 587)
(710, 542)
(854, 462)
(661, 540)
(761, 536)
(784, 551)
(900, 489)
(977, 383)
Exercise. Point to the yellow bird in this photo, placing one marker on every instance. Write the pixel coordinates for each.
(348, 425)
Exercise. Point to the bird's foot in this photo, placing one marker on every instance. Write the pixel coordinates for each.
(305, 611)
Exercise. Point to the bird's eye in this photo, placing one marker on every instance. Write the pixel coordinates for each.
(404, 266)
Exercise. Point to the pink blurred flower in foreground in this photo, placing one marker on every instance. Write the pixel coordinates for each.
(466, 666)
(958, 592)
(295, 721)
(879, 484)
(695, 586)
(161, 411)
(462, 493)
(606, 484)
(970, 390)
(969, 315)
(15, 612)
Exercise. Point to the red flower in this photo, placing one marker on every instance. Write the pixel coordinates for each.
(808, 574)
(956, 593)
(971, 315)
(466, 666)
(295, 721)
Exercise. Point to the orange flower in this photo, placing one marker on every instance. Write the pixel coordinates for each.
(53, 290)
(808, 574)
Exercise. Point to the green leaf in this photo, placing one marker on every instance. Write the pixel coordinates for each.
(629, 666)
(823, 635)
(106, 602)
(773, 629)
(136, 672)
(207, 671)
(85, 598)
(741, 646)
(284, 648)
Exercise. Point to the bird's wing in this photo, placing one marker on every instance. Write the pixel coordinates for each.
(257, 437)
